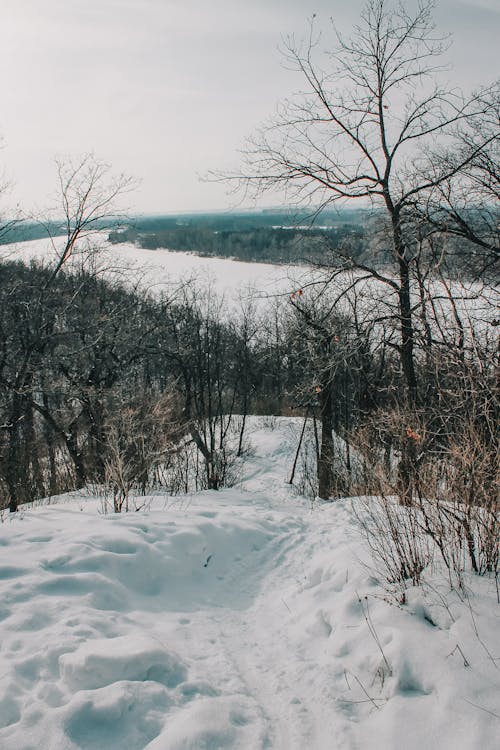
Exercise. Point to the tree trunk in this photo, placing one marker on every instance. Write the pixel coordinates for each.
(407, 332)
(77, 458)
(51, 450)
(13, 469)
(326, 474)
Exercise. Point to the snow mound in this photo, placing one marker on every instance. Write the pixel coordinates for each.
(121, 716)
(103, 661)
(212, 723)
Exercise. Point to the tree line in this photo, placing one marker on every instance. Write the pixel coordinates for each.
(281, 245)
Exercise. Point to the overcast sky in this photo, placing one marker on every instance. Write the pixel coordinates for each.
(167, 89)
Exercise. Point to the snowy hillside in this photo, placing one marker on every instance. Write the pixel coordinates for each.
(243, 619)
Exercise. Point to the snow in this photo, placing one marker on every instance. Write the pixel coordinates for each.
(160, 269)
(243, 619)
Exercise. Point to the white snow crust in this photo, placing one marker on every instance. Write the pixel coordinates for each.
(242, 619)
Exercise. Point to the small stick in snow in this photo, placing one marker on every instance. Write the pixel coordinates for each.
(457, 648)
(372, 700)
(482, 708)
(374, 634)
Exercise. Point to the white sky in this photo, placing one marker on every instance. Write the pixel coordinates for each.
(165, 90)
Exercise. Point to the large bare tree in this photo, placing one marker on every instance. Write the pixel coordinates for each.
(364, 128)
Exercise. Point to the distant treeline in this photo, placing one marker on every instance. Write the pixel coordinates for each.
(272, 237)
(24, 231)
(266, 236)
(278, 245)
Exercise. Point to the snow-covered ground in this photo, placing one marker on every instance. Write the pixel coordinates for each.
(243, 619)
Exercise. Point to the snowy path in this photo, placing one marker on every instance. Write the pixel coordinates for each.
(228, 620)
(250, 655)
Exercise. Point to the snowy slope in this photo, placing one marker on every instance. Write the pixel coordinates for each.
(243, 619)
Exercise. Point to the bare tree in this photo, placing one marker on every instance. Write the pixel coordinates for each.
(323, 356)
(467, 208)
(89, 195)
(6, 224)
(363, 130)
(200, 348)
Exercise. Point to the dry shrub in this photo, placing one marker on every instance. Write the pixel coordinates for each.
(393, 445)
(458, 494)
(139, 440)
(400, 549)
(448, 498)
